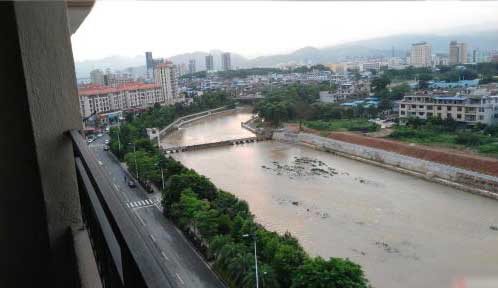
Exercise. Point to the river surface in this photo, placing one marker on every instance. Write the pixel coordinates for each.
(404, 231)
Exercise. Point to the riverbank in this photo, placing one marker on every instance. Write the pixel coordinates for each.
(379, 154)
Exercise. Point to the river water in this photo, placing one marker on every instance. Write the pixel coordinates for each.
(404, 231)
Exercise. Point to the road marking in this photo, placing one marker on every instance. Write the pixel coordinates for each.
(180, 278)
(152, 237)
(141, 220)
(164, 255)
(115, 186)
(100, 163)
(141, 203)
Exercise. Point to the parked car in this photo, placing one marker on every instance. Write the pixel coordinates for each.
(132, 184)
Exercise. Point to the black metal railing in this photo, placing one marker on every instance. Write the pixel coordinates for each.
(124, 255)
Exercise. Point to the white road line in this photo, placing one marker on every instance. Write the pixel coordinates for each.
(142, 203)
(115, 186)
(100, 162)
(141, 220)
(180, 278)
(164, 255)
(152, 237)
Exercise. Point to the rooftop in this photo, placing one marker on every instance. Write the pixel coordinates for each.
(93, 89)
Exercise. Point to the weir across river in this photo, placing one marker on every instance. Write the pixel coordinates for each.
(211, 145)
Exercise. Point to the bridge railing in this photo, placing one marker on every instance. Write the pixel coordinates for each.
(123, 253)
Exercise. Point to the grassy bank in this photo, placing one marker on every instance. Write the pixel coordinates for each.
(358, 124)
(480, 139)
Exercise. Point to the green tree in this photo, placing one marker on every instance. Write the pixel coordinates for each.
(332, 273)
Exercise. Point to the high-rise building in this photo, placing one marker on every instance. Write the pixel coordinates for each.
(209, 63)
(191, 66)
(226, 63)
(97, 77)
(149, 61)
(166, 75)
(421, 54)
(182, 69)
(458, 53)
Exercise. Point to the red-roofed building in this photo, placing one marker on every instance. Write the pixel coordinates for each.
(103, 99)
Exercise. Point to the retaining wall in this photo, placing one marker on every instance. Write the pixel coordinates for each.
(470, 181)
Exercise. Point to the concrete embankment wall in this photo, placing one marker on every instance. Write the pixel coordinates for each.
(470, 181)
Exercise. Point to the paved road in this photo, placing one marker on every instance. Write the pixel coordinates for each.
(180, 262)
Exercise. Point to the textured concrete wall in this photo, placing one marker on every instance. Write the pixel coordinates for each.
(39, 195)
(463, 179)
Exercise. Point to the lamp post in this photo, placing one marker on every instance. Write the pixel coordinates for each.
(255, 256)
(162, 173)
(135, 157)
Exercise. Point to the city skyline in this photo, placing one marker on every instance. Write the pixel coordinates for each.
(315, 19)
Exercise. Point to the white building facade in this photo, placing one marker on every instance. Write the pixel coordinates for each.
(421, 55)
(469, 109)
(102, 99)
(166, 76)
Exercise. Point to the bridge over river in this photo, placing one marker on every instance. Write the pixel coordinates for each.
(211, 145)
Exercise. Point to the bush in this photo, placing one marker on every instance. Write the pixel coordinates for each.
(468, 139)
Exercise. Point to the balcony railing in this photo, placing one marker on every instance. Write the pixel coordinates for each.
(123, 253)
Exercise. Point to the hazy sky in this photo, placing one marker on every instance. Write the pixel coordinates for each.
(167, 28)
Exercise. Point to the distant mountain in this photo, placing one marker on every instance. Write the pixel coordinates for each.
(382, 46)
(83, 68)
(200, 60)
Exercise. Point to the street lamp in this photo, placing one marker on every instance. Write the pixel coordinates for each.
(255, 256)
(135, 156)
(162, 173)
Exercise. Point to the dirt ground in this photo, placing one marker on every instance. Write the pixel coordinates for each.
(456, 158)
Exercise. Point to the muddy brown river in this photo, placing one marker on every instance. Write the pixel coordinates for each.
(404, 231)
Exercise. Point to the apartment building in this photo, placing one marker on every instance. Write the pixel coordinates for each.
(191, 66)
(226, 62)
(97, 76)
(458, 53)
(104, 99)
(470, 109)
(421, 55)
(166, 75)
(209, 62)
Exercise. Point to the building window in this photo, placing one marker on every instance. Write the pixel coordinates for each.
(403, 113)
(414, 106)
(421, 113)
(429, 114)
(448, 108)
(459, 116)
(429, 107)
(448, 115)
(402, 105)
(438, 107)
(459, 109)
(481, 109)
(421, 106)
(481, 117)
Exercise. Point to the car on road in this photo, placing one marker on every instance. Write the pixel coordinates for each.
(106, 141)
(100, 135)
(132, 184)
(106, 148)
(107, 129)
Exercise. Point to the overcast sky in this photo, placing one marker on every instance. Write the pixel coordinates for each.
(167, 28)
